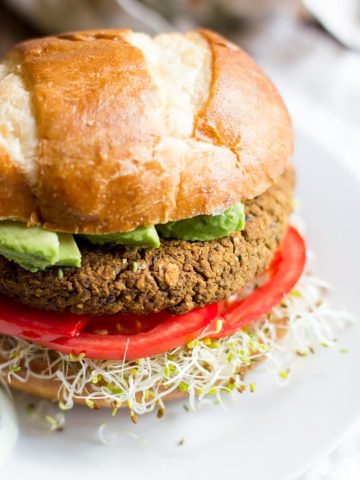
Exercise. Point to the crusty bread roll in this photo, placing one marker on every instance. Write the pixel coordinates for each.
(103, 131)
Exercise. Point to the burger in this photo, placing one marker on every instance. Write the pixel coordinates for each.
(145, 194)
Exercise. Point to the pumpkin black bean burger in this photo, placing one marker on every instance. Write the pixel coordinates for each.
(145, 194)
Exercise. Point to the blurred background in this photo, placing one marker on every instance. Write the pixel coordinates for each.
(310, 48)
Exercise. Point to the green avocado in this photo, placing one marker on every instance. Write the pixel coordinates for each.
(205, 227)
(141, 237)
(69, 253)
(32, 248)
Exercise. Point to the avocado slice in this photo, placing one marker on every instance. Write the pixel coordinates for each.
(141, 237)
(69, 253)
(32, 248)
(206, 227)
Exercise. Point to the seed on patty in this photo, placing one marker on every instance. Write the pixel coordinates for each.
(178, 276)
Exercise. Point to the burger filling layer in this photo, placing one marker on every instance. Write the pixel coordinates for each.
(178, 276)
(35, 249)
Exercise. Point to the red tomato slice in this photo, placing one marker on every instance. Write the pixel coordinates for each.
(125, 324)
(285, 270)
(98, 337)
(174, 331)
(20, 321)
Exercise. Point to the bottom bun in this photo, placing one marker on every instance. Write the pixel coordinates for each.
(51, 389)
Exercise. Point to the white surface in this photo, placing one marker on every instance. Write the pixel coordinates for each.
(319, 80)
(274, 434)
(8, 427)
(343, 463)
(340, 17)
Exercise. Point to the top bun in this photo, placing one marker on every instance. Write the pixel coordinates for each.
(104, 131)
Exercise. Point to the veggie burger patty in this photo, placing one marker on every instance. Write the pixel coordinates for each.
(178, 276)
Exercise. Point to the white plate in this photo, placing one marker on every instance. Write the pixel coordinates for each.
(274, 434)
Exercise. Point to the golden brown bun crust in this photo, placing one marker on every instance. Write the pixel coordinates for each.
(105, 158)
(245, 113)
(49, 390)
(16, 199)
